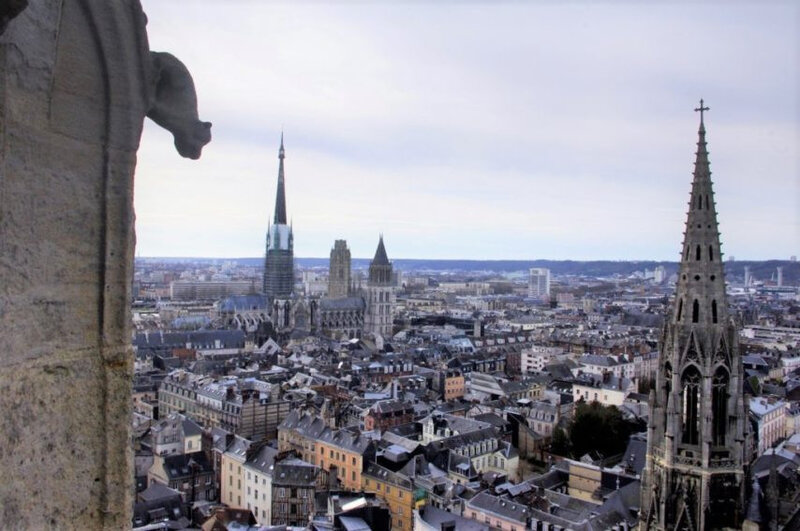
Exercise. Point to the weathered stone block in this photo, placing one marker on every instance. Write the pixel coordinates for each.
(76, 81)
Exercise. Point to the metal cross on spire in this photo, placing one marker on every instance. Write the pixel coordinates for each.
(701, 109)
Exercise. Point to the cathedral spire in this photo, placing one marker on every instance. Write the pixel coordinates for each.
(378, 318)
(279, 258)
(694, 477)
(701, 285)
(280, 197)
(380, 254)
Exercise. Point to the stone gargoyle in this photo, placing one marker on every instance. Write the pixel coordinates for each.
(172, 96)
(174, 105)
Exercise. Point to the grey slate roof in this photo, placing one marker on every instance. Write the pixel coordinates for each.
(186, 465)
(219, 438)
(436, 517)
(622, 504)
(551, 479)
(347, 440)
(310, 426)
(263, 460)
(502, 507)
(492, 419)
(243, 302)
(457, 441)
(157, 491)
(635, 455)
(191, 428)
(391, 406)
(380, 254)
(343, 303)
(239, 447)
(384, 474)
(294, 472)
(458, 424)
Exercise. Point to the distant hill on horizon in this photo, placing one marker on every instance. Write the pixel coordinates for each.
(760, 269)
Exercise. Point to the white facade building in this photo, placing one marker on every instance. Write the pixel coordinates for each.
(612, 393)
(770, 415)
(258, 485)
(539, 283)
(537, 357)
(619, 366)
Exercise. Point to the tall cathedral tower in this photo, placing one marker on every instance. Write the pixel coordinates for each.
(380, 299)
(339, 271)
(279, 258)
(694, 477)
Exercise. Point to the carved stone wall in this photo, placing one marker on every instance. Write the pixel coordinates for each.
(76, 80)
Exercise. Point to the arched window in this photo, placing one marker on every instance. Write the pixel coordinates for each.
(719, 406)
(710, 253)
(690, 407)
(680, 309)
(714, 311)
(699, 202)
(695, 311)
(707, 207)
(697, 254)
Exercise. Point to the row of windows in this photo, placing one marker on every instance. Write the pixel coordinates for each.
(292, 492)
(691, 401)
(336, 455)
(255, 493)
(178, 390)
(387, 490)
(699, 204)
(478, 449)
(698, 253)
(696, 311)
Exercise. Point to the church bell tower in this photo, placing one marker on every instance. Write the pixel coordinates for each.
(694, 478)
(380, 299)
(278, 280)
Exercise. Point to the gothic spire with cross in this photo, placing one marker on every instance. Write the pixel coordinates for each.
(701, 109)
(694, 477)
(278, 279)
(700, 296)
(280, 196)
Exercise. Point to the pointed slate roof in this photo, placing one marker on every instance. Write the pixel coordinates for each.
(701, 283)
(380, 254)
(280, 197)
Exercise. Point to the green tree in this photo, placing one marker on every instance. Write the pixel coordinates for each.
(560, 443)
(599, 428)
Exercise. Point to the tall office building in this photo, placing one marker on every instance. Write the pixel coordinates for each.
(539, 283)
(339, 271)
(279, 258)
(694, 476)
(380, 296)
(659, 274)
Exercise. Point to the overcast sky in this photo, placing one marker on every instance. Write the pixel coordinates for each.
(476, 130)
